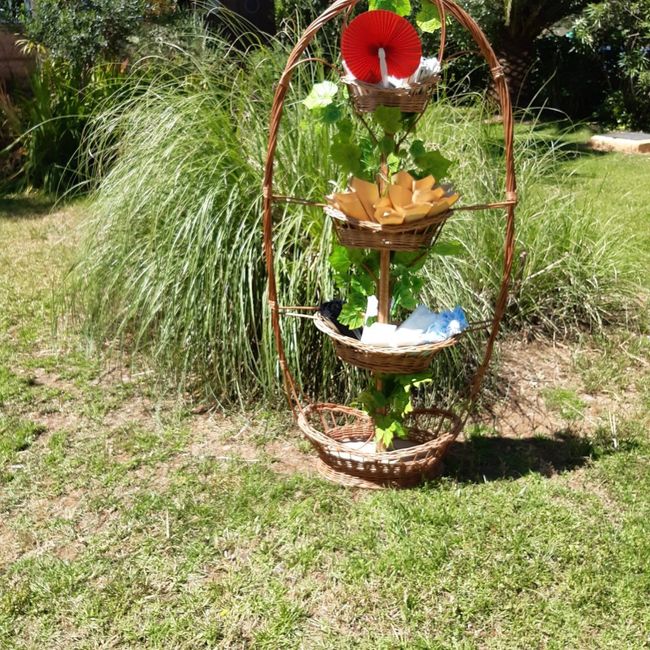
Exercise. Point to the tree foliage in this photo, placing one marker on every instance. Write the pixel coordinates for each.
(83, 32)
(618, 33)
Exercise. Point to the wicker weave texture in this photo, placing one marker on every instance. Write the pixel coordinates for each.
(367, 97)
(404, 360)
(302, 411)
(330, 426)
(404, 237)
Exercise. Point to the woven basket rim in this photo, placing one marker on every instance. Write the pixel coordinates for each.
(326, 326)
(392, 229)
(416, 452)
(415, 88)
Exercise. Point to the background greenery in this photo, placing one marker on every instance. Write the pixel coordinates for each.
(177, 193)
(588, 60)
(130, 521)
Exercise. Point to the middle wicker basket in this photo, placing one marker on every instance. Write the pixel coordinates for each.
(405, 360)
(368, 234)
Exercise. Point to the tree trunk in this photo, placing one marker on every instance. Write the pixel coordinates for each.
(517, 64)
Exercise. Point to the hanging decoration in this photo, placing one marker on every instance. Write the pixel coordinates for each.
(380, 44)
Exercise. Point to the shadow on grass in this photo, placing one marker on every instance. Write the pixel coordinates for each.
(25, 206)
(491, 458)
(572, 139)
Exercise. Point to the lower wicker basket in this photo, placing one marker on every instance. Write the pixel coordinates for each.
(405, 360)
(331, 428)
(367, 97)
(368, 234)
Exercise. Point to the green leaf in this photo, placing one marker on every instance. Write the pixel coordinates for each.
(387, 145)
(406, 290)
(387, 429)
(428, 18)
(352, 315)
(370, 261)
(321, 95)
(394, 163)
(331, 114)
(448, 249)
(369, 159)
(373, 400)
(429, 162)
(346, 129)
(411, 261)
(388, 118)
(348, 156)
(363, 284)
(339, 259)
(400, 7)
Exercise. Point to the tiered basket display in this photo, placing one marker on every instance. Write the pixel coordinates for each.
(343, 436)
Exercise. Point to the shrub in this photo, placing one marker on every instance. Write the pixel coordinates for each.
(81, 33)
(619, 33)
(76, 46)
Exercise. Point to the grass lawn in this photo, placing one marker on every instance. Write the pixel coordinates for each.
(128, 521)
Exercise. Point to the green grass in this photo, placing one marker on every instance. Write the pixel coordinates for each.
(610, 184)
(118, 523)
(566, 402)
(621, 181)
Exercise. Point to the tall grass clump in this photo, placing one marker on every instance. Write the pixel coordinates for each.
(172, 265)
(171, 262)
(572, 269)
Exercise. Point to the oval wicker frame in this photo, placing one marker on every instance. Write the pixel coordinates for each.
(428, 454)
(407, 360)
(403, 237)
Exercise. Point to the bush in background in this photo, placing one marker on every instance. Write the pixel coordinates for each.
(80, 34)
(617, 35)
(83, 50)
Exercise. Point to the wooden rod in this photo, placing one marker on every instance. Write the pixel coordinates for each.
(299, 201)
(383, 287)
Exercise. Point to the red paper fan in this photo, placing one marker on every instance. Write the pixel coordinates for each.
(373, 30)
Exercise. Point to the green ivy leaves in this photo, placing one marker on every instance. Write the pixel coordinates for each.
(390, 405)
(429, 162)
(428, 18)
(400, 7)
(346, 153)
(321, 95)
(355, 271)
(389, 118)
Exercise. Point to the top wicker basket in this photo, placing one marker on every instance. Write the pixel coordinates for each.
(367, 97)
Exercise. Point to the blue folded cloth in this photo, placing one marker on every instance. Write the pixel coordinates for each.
(426, 326)
(445, 325)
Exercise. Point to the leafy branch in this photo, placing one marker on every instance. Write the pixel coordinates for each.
(391, 404)
(362, 156)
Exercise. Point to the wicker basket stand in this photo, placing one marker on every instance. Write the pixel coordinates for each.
(343, 436)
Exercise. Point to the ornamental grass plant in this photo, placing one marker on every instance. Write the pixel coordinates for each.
(171, 263)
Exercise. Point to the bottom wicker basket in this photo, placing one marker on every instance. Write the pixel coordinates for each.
(332, 428)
